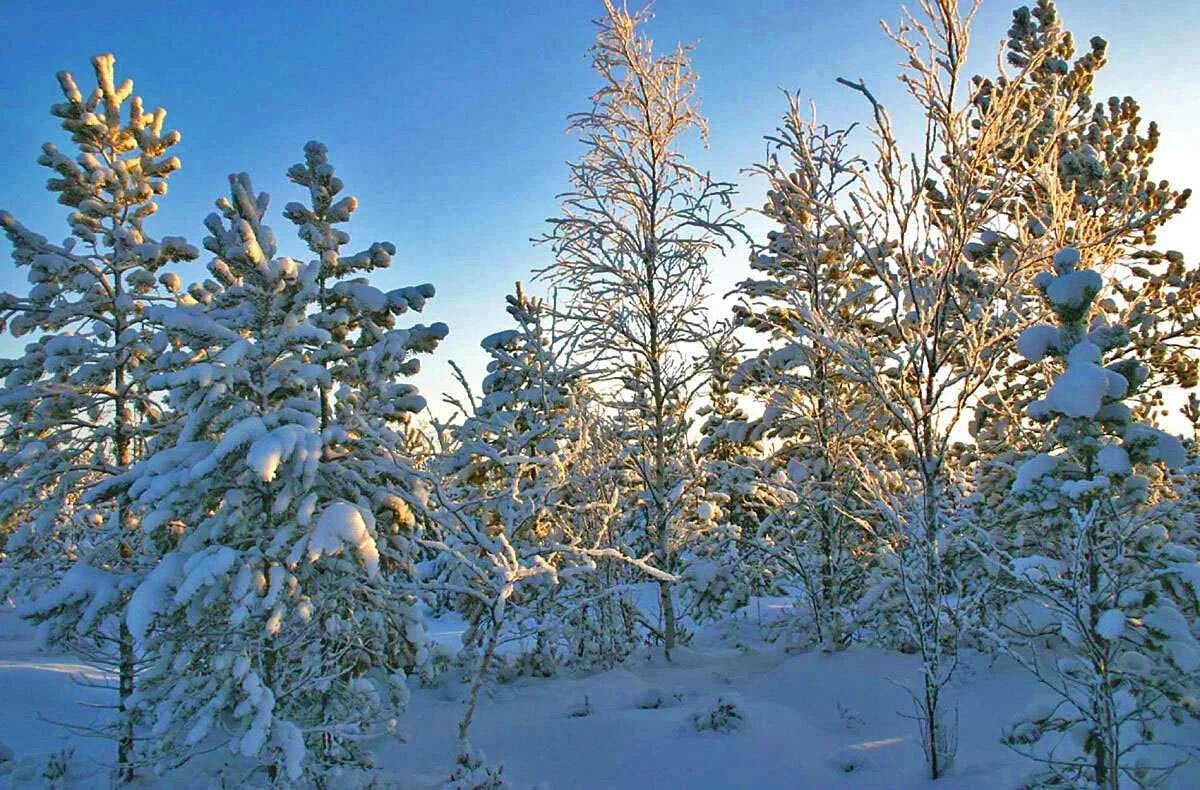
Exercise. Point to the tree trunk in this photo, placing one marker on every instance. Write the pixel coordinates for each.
(127, 658)
(125, 744)
(464, 725)
(667, 604)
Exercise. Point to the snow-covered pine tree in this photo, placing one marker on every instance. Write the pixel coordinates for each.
(1117, 597)
(496, 494)
(1104, 200)
(271, 614)
(507, 496)
(523, 412)
(818, 410)
(631, 256)
(212, 610)
(75, 408)
(727, 567)
(370, 448)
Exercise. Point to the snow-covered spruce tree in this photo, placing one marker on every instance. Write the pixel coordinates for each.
(523, 411)
(271, 614)
(1116, 596)
(814, 406)
(726, 568)
(1105, 201)
(631, 255)
(370, 445)
(601, 624)
(75, 409)
(505, 500)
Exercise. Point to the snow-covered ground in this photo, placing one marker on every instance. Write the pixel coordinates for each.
(811, 720)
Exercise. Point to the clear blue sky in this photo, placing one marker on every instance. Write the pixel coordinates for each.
(446, 119)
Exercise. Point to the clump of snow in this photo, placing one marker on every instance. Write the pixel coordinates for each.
(152, 594)
(1111, 624)
(270, 450)
(1163, 446)
(1074, 290)
(1036, 568)
(341, 524)
(204, 568)
(1078, 392)
(1113, 460)
(291, 742)
(82, 584)
(1033, 470)
(1036, 341)
(263, 700)
(1084, 352)
(1066, 260)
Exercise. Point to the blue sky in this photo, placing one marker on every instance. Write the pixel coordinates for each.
(447, 119)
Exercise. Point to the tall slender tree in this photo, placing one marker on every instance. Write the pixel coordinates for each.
(946, 260)
(76, 410)
(632, 250)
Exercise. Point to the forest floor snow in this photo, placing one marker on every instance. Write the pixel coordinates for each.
(811, 720)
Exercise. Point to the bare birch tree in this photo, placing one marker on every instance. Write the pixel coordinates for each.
(949, 254)
(632, 252)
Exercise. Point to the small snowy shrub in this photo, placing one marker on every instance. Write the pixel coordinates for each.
(441, 660)
(850, 717)
(727, 715)
(472, 773)
(57, 765)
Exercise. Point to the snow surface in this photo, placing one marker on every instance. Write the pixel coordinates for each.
(812, 719)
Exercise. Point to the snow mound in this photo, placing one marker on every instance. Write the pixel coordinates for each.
(850, 759)
(650, 698)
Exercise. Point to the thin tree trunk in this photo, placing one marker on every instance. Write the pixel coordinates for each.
(667, 604)
(485, 661)
(125, 744)
(127, 657)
